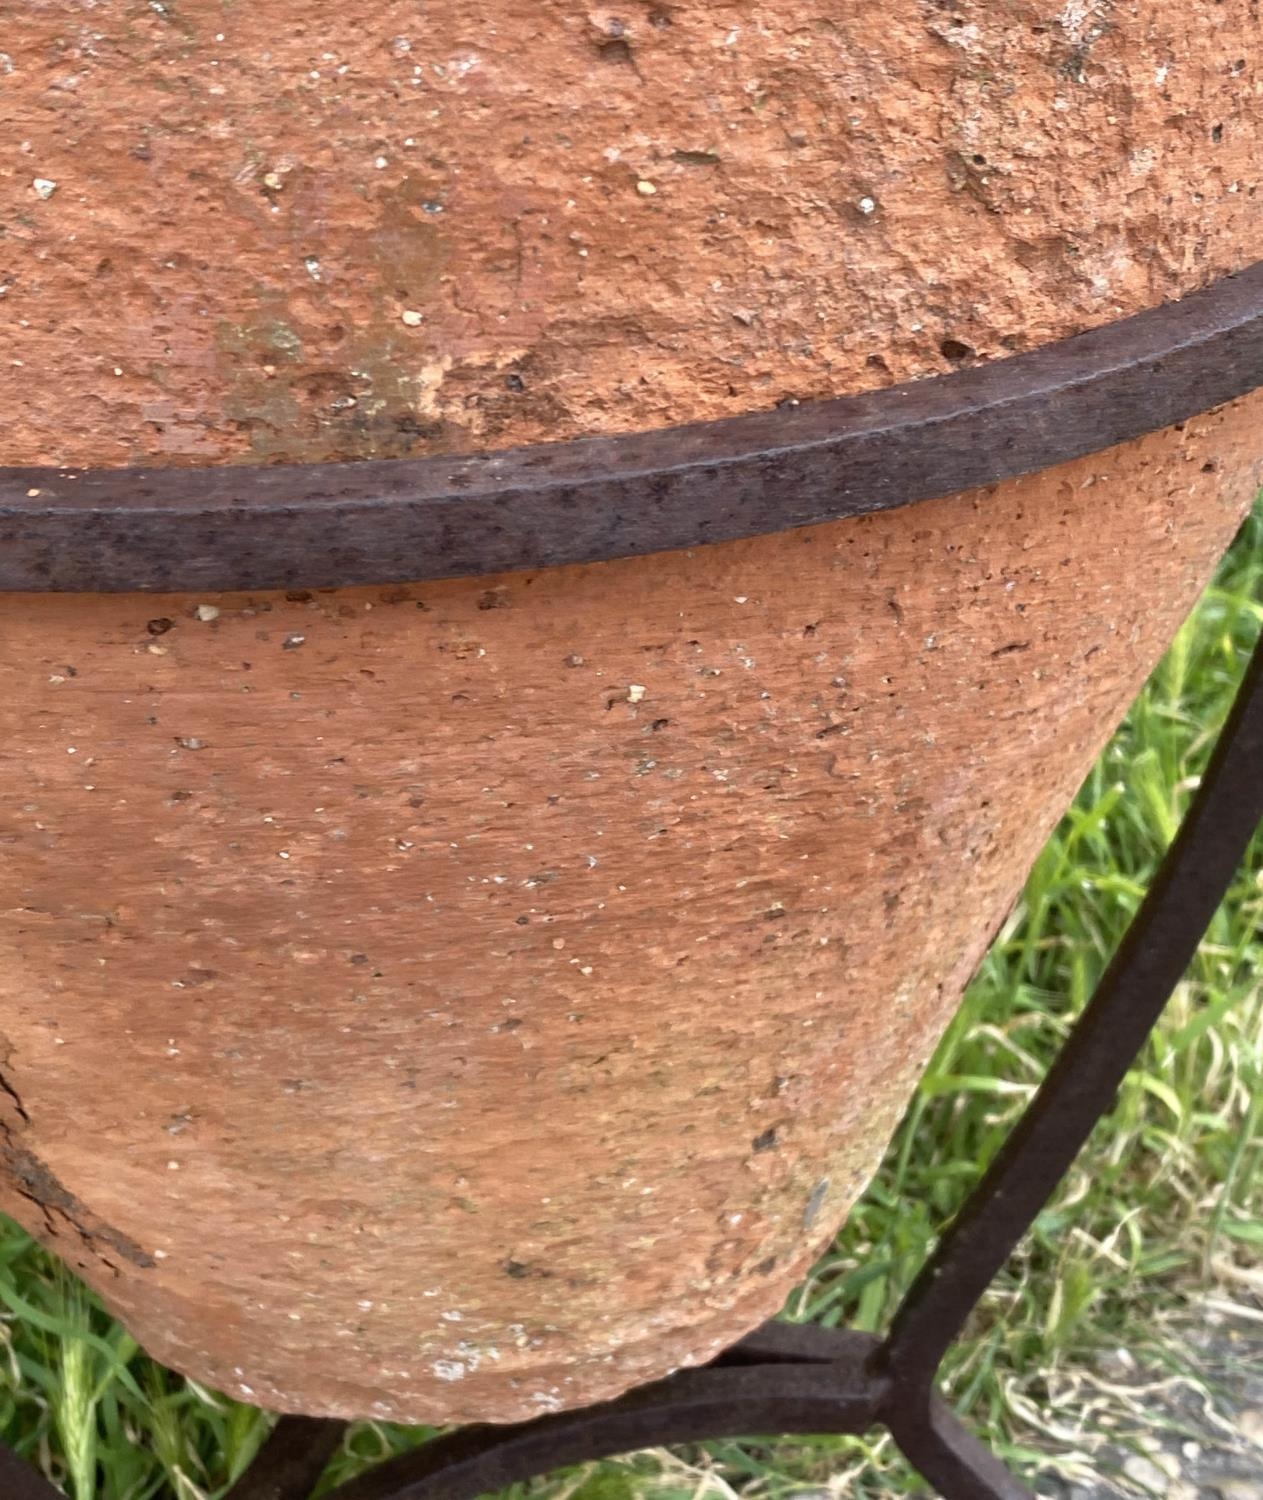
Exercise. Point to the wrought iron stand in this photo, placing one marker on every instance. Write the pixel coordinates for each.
(610, 498)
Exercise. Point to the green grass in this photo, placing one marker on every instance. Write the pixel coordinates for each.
(1160, 1222)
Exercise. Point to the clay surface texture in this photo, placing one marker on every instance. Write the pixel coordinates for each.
(276, 232)
(463, 1001)
(459, 1002)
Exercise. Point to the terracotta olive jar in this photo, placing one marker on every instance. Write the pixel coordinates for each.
(457, 1000)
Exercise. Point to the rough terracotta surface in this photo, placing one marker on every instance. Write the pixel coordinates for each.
(282, 231)
(462, 1001)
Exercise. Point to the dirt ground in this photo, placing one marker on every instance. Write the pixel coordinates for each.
(1201, 1446)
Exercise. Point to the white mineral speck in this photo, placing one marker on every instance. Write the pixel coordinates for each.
(448, 1369)
(207, 612)
(868, 205)
(45, 187)
(635, 692)
(412, 318)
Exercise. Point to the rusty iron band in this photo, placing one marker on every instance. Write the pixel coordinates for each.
(593, 499)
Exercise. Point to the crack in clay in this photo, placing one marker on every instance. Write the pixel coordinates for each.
(38, 1184)
(7, 1087)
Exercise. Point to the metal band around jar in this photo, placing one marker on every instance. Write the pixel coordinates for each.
(593, 499)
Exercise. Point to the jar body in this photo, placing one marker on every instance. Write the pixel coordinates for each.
(509, 983)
